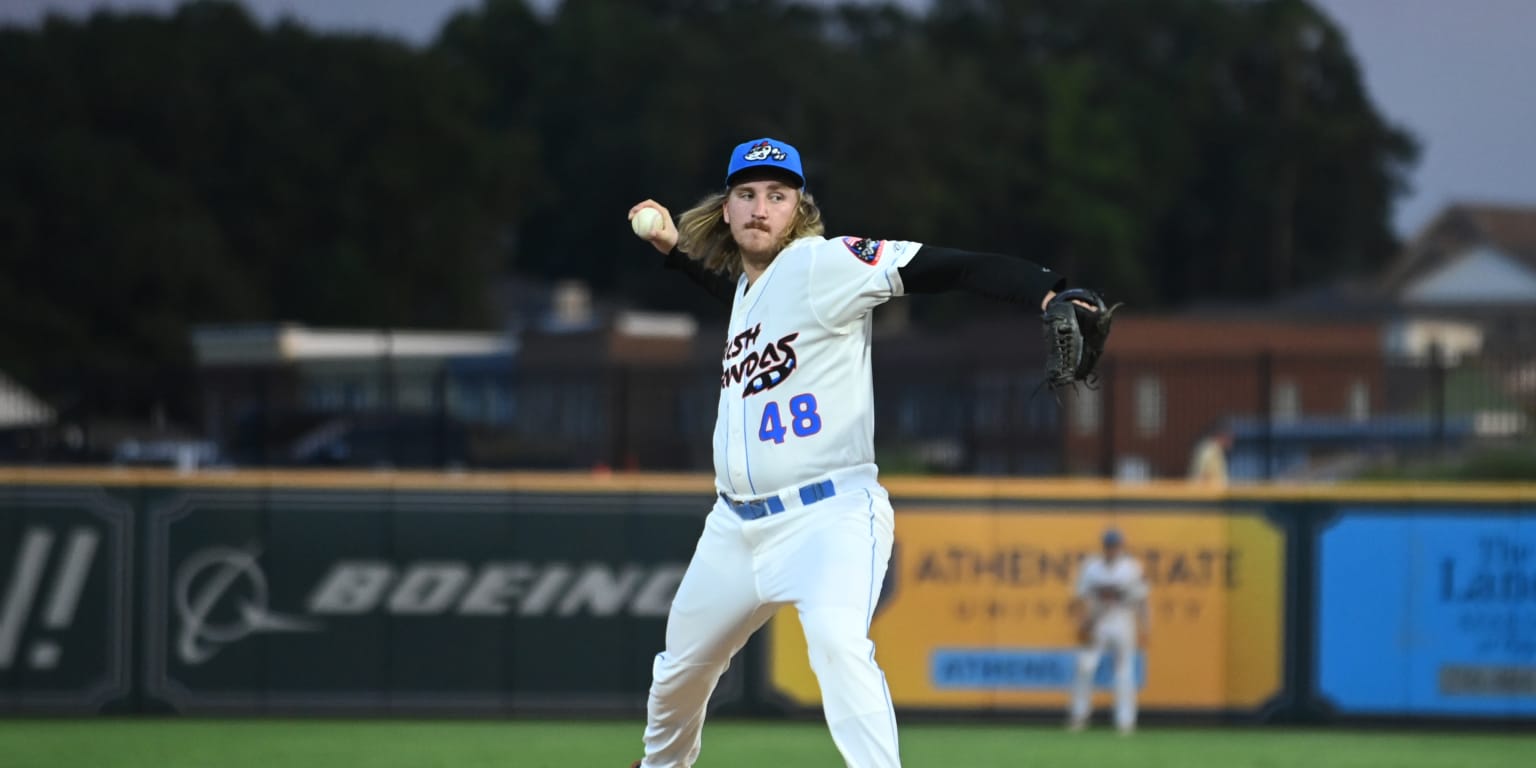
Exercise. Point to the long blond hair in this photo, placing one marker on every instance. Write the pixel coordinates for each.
(704, 236)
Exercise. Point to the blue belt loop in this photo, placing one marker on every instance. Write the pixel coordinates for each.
(815, 492)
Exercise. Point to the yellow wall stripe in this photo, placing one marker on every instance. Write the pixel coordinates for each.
(899, 486)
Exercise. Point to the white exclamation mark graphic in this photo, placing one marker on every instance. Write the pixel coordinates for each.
(67, 586)
(28, 571)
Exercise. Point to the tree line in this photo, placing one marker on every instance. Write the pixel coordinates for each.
(160, 171)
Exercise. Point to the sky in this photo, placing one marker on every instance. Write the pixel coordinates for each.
(1453, 72)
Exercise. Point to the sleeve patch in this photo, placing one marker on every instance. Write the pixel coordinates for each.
(865, 249)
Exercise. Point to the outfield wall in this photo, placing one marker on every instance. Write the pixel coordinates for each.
(406, 593)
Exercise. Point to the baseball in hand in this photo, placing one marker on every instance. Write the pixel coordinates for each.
(646, 222)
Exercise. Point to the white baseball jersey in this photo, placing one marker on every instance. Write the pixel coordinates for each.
(1105, 587)
(796, 394)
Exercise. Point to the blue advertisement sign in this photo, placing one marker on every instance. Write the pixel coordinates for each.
(1025, 669)
(1428, 613)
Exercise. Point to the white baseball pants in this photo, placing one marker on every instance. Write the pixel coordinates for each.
(827, 559)
(1115, 632)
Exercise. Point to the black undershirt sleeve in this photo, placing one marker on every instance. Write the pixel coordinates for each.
(993, 275)
(716, 284)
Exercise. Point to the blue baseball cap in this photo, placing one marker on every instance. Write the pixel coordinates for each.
(1112, 538)
(765, 153)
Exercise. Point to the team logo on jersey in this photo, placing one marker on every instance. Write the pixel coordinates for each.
(865, 249)
(774, 366)
(741, 342)
(764, 151)
(761, 370)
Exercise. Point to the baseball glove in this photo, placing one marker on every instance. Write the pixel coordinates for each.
(1108, 594)
(1075, 336)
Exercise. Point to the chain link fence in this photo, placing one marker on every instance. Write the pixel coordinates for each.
(1288, 416)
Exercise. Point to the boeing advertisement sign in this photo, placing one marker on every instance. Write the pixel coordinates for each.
(320, 601)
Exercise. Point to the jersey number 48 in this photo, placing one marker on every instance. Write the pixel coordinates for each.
(803, 419)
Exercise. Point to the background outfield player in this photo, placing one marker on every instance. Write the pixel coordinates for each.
(800, 516)
(1111, 609)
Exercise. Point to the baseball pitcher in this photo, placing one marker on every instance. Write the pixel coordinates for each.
(1111, 610)
(800, 517)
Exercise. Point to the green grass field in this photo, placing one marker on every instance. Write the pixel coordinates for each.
(185, 743)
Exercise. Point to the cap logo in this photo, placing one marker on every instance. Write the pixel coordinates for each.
(764, 151)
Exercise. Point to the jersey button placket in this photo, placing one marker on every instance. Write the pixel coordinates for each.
(738, 448)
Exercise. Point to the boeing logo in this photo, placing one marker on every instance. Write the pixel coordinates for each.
(217, 577)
